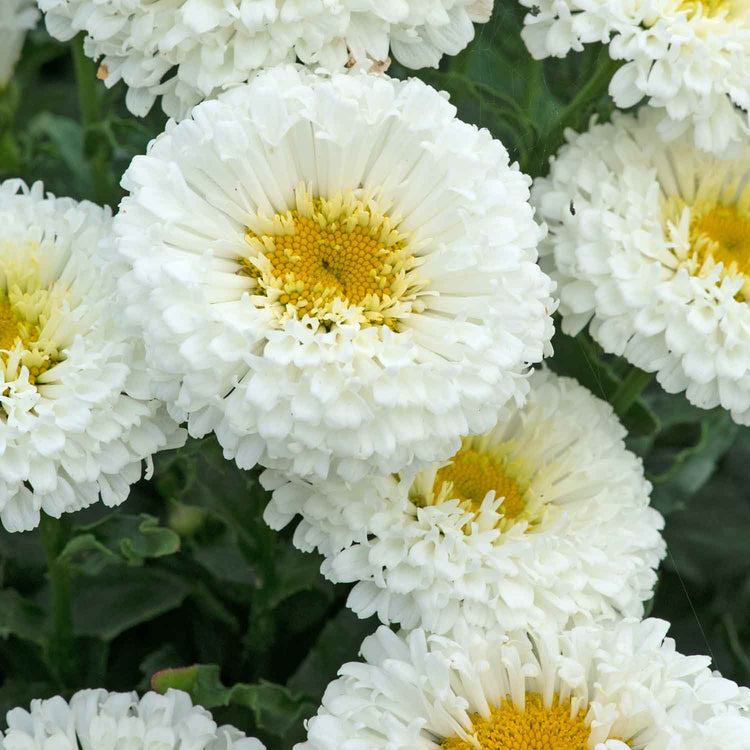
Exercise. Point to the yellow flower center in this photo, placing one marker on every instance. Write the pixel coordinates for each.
(480, 467)
(327, 256)
(474, 473)
(717, 232)
(724, 234)
(8, 326)
(20, 345)
(535, 727)
(731, 10)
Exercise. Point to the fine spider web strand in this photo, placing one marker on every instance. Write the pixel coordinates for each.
(695, 613)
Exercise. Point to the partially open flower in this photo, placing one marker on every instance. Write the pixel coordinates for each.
(545, 519)
(189, 50)
(590, 688)
(656, 255)
(76, 416)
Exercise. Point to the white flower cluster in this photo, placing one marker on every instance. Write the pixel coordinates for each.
(333, 273)
(99, 720)
(16, 18)
(76, 416)
(543, 520)
(188, 50)
(689, 57)
(655, 255)
(622, 688)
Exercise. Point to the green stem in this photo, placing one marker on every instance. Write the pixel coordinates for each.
(55, 534)
(573, 112)
(91, 116)
(629, 389)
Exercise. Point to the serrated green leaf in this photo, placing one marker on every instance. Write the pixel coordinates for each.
(275, 708)
(119, 538)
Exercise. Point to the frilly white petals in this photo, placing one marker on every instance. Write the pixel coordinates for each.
(16, 18)
(414, 690)
(96, 719)
(617, 263)
(211, 45)
(82, 432)
(694, 66)
(351, 399)
(593, 555)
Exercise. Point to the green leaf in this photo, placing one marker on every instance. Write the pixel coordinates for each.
(275, 708)
(580, 358)
(119, 538)
(338, 643)
(120, 598)
(22, 618)
(689, 468)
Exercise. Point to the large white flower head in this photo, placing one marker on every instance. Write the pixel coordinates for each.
(76, 420)
(656, 255)
(16, 18)
(689, 57)
(189, 50)
(334, 273)
(99, 720)
(589, 688)
(543, 519)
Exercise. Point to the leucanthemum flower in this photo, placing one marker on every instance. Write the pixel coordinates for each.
(588, 688)
(76, 418)
(99, 720)
(16, 18)
(188, 50)
(543, 519)
(690, 58)
(333, 273)
(656, 255)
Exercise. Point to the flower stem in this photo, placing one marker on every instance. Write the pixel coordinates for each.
(629, 389)
(91, 117)
(571, 116)
(55, 533)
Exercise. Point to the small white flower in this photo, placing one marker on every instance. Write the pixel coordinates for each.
(333, 273)
(16, 18)
(656, 255)
(544, 519)
(589, 688)
(689, 57)
(189, 50)
(76, 420)
(98, 720)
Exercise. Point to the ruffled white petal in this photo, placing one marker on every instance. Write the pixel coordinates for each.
(190, 50)
(98, 720)
(81, 432)
(623, 260)
(588, 551)
(287, 390)
(689, 59)
(16, 18)
(415, 690)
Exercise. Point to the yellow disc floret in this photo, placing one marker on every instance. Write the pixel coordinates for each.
(474, 473)
(30, 315)
(337, 260)
(729, 9)
(483, 465)
(534, 727)
(718, 233)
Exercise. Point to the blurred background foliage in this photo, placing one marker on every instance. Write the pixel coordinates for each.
(186, 572)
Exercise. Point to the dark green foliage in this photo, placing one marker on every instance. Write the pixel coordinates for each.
(185, 585)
